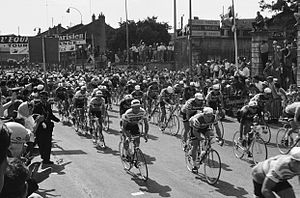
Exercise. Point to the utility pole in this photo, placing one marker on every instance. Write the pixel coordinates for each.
(190, 36)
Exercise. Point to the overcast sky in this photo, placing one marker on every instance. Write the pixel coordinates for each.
(24, 15)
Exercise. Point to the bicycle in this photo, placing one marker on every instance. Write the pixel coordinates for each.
(253, 145)
(155, 114)
(171, 122)
(105, 123)
(285, 142)
(97, 132)
(135, 157)
(205, 155)
(80, 121)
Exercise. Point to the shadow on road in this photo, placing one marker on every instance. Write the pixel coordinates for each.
(151, 186)
(225, 188)
(228, 189)
(225, 167)
(149, 159)
(47, 192)
(107, 150)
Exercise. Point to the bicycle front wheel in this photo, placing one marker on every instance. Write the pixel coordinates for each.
(174, 125)
(141, 164)
(122, 151)
(284, 141)
(238, 148)
(259, 150)
(266, 133)
(212, 167)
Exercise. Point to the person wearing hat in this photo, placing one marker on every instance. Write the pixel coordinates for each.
(130, 124)
(45, 129)
(270, 177)
(189, 109)
(4, 144)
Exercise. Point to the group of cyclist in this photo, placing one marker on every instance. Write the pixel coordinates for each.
(200, 108)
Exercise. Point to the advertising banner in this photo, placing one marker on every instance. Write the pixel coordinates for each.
(14, 44)
(68, 43)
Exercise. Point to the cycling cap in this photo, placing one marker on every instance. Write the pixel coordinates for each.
(128, 97)
(208, 110)
(267, 90)
(40, 87)
(137, 87)
(19, 136)
(295, 153)
(99, 93)
(216, 87)
(83, 88)
(135, 103)
(252, 104)
(199, 96)
(170, 89)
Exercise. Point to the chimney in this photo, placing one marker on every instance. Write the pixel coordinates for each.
(93, 17)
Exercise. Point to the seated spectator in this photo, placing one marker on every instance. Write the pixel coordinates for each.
(259, 23)
(16, 183)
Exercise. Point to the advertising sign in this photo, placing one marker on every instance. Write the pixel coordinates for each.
(206, 28)
(14, 44)
(67, 43)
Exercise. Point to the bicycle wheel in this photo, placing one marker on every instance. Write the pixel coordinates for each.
(141, 164)
(238, 149)
(106, 122)
(266, 133)
(259, 150)
(174, 125)
(122, 151)
(188, 159)
(284, 142)
(156, 116)
(212, 167)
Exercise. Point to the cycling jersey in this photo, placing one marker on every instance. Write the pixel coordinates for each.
(214, 99)
(275, 168)
(96, 103)
(165, 96)
(293, 109)
(79, 99)
(137, 95)
(61, 93)
(192, 105)
(124, 106)
(153, 91)
(198, 121)
(134, 118)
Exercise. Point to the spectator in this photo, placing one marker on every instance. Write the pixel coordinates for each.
(259, 23)
(4, 144)
(264, 52)
(45, 129)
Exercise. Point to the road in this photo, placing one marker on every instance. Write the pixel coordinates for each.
(82, 171)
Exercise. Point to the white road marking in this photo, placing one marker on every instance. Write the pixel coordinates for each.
(137, 193)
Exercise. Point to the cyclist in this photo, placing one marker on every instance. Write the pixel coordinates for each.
(246, 117)
(270, 177)
(165, 97)
(188, 110)
(130, 123)
(199, 124)
(152, 94)
(262, 98)
(125, 104)
(80, 102)
(292, 111)
(214, 99)
(137, 93)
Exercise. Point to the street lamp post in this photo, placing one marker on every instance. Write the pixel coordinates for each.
(127, 33)
(68, 11)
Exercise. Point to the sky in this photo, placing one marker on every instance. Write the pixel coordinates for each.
(21, 17)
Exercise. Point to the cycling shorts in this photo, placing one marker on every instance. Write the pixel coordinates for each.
(202, 131)
(133, 129)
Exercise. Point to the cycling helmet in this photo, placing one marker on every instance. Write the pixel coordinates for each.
(252, 104)
(137, 87)
(208, 110)
(267, 90)
(144, 81)
(135, 103)
(128, 97)
(199, 96)
(192, 84)
(170, 89)
(181, 82)
(295, 153)
(99, 94)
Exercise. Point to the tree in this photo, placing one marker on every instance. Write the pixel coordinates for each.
(279, 5)
(148, 31)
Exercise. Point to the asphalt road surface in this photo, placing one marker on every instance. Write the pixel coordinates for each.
(81, 170)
